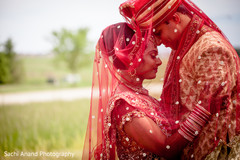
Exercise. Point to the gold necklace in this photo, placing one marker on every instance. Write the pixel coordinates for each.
(141, 90)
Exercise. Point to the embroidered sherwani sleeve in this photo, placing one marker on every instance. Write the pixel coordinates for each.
(214, 76)
(211, 61)
(210, 71)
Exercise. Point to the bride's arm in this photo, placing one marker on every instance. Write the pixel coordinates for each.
(150, 136)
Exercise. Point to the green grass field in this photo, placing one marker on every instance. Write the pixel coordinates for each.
(37, 70)
(50, 127)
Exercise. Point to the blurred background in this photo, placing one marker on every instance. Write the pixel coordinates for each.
(46, 53)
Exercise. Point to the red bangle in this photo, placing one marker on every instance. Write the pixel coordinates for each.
(193, 124)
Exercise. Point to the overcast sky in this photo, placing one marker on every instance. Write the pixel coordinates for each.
(29, 23)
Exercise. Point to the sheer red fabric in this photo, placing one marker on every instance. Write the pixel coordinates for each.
(137, 12)
(115, 101)
(115, 57)
(145, 14)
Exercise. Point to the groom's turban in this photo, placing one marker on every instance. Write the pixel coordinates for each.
(148, 13)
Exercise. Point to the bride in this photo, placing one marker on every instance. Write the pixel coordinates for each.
(125, 122)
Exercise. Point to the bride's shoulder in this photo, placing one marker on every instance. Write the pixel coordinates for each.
(123, 96)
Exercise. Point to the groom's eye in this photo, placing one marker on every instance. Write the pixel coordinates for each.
(158, 33)
(166, 22)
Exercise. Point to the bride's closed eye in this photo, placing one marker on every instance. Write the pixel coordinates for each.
(154, 55)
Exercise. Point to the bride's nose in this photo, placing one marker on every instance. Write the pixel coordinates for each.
(159, 62)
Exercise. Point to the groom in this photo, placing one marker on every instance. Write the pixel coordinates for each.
(202, 61)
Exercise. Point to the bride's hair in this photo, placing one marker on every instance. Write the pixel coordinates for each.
(114, 35)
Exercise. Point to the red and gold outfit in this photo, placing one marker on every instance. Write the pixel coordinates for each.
(210, 59)
(124, 106)
(204, 61)
(116, 101)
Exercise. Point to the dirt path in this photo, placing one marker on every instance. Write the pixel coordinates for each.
(44, 96)
(65, 95)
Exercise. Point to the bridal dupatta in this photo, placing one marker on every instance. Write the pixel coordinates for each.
(118, 46)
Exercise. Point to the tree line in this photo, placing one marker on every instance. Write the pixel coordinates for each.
(68, 46)
(11, 68)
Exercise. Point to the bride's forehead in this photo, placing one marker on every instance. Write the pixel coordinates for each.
(151, 45)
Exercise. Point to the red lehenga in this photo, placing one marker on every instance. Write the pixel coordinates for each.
(138, 105)
(115, 100)
(105, 135)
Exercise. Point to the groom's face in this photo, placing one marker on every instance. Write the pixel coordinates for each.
(167, 34)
